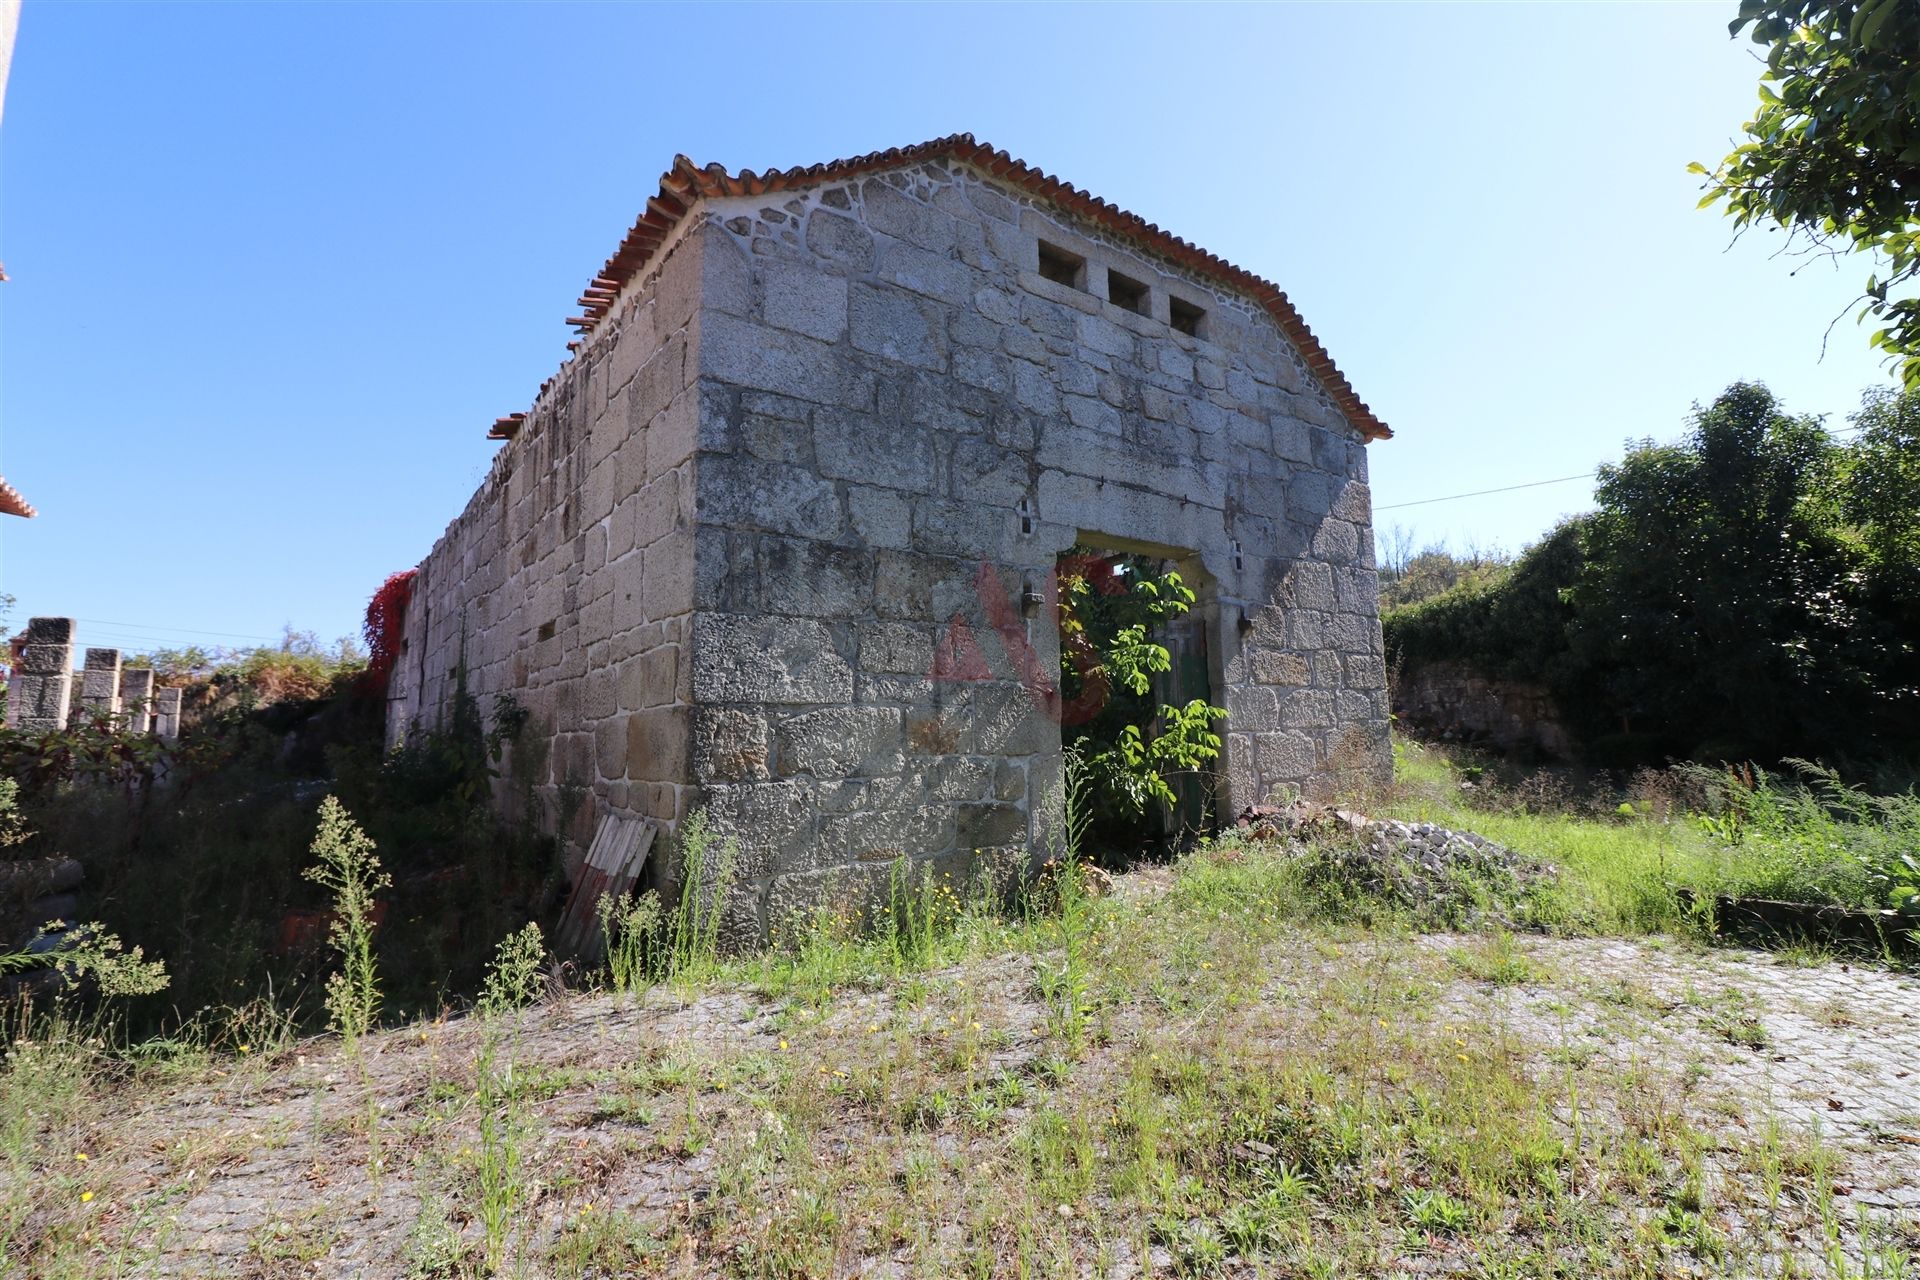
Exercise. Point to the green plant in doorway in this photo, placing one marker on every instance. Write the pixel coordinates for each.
(1110, 607)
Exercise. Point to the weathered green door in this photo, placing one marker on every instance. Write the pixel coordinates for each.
(1190, 677)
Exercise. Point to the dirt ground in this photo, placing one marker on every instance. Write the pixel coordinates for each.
(265, 1172)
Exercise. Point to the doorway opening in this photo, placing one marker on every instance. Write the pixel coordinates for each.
(1139, 716)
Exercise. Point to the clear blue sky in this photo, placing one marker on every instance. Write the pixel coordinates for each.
(276, 268)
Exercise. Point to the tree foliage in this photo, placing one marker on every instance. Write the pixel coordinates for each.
(1747, 591)
(1109, 608)
(1833, 152)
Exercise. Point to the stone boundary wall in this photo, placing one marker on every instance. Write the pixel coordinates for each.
(40, 694)
(1451, 699)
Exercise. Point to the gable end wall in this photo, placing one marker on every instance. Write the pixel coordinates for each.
(886, 387)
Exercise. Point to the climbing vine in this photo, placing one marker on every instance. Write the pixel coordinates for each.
(386, 615)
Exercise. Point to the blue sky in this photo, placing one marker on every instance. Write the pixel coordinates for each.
(276, 268)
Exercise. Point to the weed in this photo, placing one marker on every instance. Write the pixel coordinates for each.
(1060, 945)
(500, 1168)
(434, 1248)
(1495, 958)
(1437, 1213)
(707, 868)
(599, 1242)
(631, 930)
(350, 871)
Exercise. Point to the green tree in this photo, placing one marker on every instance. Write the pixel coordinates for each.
(1718, 599)
(1750, 590)
(1833, 152)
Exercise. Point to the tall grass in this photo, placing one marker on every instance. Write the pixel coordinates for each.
(707, 869)
(500, 1171)
(1743, 832)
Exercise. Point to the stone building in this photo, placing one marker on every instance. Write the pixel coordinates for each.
(778, 540)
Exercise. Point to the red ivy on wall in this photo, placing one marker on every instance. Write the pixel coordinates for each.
(386, 614)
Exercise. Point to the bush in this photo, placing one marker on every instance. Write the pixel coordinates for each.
(1749, 592)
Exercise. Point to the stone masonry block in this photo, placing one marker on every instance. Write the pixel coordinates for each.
(802, 299)
(885, 834)
(38, 703)
(880, 517)
(931, 274)
(842, 742)
(46, 659)
(893, 214)
(840, 240)
(100, 682)
(769, 823)
(1285, 756)
(166, 713)
(136, 698)
(657, 744)
(52, 631)
(898, 326)
(729, 745)
(1276, 666)
(746, 493)
(854, 446)
(767, 660)
(895, 647)
(768, 359)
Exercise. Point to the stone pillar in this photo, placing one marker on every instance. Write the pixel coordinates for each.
(166, 713)
(100, 683)
(136, 698)
(42, 686)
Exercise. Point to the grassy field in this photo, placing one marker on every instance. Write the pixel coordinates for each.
(1622, 855)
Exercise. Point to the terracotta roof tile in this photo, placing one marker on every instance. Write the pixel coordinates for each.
(686, 184)
(12, 504)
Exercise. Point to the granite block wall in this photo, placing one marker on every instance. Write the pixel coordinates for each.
(903, 424)
(566, 584)
(779, 540)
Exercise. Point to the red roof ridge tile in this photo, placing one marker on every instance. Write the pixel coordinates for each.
(687, 183)
(12, 503)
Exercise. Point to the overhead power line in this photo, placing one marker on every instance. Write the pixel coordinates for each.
(1535, 484)
(1481, 493)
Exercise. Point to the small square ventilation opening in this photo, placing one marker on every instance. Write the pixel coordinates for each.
(1126, 293)
(1184, 316)
(1061, 267)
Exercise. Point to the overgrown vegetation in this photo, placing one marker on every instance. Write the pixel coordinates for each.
(1626, 851)
(299, 668)
(1748, 593)
(198, 849)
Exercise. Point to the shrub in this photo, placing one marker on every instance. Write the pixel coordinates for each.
(1744, 593)
(349, 870)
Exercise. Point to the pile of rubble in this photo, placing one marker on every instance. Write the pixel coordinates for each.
(1453, 877)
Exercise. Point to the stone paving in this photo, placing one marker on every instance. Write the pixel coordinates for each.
(1830, 1049)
